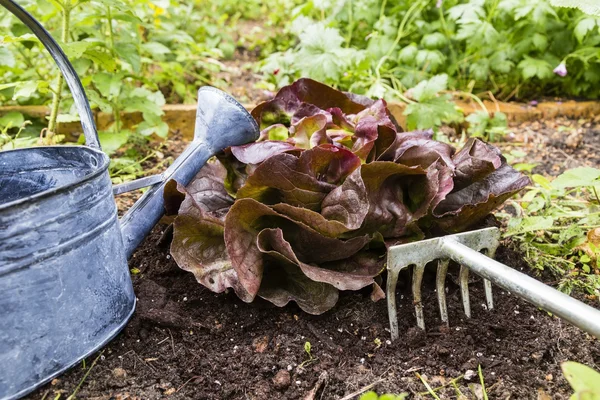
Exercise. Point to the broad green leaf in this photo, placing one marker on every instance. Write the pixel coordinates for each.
(96, 99)
(429, 89)
(577, 177)
(430, 59)
(6, 57)
(532, 67)
(63, 118)
(129, 53)
(109, 85)
(584, 380)
(12, 119)
(155, 48)
(102, 59)
(27, 37)
(591, 7)
(472, 11)
(583, 27)
(154, 126)
(540, 41)
(75, 50)
(433, 41)
(408, 54)
(112, 141)
(143, 105)
(26, 89)
(431, 113)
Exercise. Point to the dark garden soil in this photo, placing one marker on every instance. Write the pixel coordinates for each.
(556, 144)
(185, 342)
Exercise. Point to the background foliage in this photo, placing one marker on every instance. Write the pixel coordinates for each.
(507, 47)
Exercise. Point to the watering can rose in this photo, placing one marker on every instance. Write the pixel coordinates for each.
(310, 208)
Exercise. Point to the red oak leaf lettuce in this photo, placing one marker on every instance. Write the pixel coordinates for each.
(310, 208)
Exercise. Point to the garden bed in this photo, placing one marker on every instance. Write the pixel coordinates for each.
(185, 342)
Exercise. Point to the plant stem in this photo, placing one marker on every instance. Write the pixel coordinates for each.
(57, 93)
(111, 43)
(111, 36)
(596, 194)
(408, 17)
(350, 24)
(382, 10)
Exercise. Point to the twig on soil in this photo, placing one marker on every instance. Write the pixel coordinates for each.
(72, 396)
(162, 341)
(172, 342)
(313, 392)
(186, 382)
(361, 390)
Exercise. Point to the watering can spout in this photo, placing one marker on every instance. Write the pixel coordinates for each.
(220, 122)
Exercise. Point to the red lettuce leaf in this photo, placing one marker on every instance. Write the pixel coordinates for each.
(198, 246)
(299, 181)
(256, 153)
(483, 180)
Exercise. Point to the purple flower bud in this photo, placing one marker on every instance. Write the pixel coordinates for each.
(438, 4)
(561, 70)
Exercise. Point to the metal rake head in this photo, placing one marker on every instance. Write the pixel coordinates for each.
(421, 253)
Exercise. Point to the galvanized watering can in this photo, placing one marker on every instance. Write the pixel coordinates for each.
(65, 289)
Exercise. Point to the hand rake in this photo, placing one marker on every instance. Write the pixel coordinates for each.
(466, 249)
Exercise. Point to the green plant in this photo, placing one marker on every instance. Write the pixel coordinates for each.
(384, 48)
(556, 226)
(388, 396)
(583, 379)
(131, 55)
(310, 208)
(311, 359)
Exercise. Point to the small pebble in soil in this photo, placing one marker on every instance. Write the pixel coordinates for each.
(469, 374)
(119, 373)
(298, 382)
(282, 379)
(289, 367)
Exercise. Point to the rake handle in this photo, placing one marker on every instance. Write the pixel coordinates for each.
(566, 307)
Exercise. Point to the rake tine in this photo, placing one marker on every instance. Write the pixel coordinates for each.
(487, 285)
(464, 289)
(392, 281)
(440, 282)
(416, 288)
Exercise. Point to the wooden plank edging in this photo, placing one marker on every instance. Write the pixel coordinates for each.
(181, 117)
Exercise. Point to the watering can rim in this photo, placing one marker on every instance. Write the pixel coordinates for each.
(58, 189)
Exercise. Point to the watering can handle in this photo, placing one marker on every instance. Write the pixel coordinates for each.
(81, 101)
